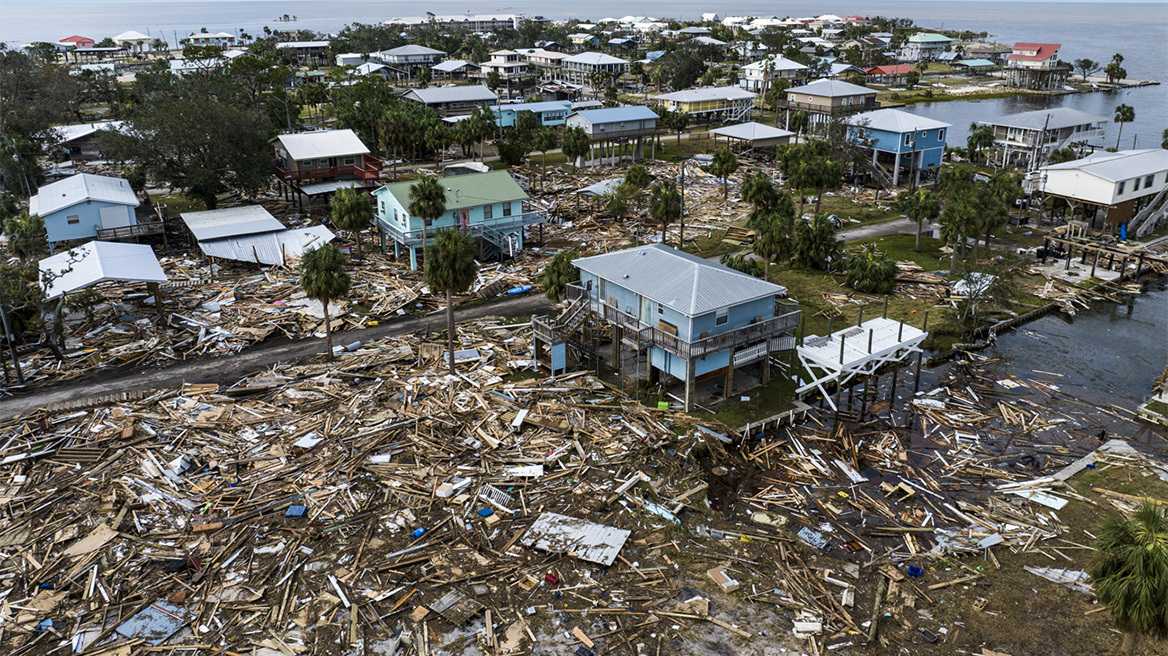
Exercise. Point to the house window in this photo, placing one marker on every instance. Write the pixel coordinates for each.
(660, 308)
(1149, 180)
(941, 134)
(73, 219)
(924, 134)
(350, 160)
(1119, 191)
(908, 139)
(722, 317)
(507, 209)
(488, 211)
(1136, 184)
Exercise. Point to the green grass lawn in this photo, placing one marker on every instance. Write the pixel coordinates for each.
(846, 208)
(177, 203)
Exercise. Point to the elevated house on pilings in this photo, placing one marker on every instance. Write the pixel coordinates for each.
(1036, 66)
(685, 317)
(315, 163)
(613, 127)
(1028, 138)
(726, 104)
(849, 355)
(823, 99)
(1108, 189)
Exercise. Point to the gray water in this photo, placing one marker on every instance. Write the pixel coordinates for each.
(1109, 354)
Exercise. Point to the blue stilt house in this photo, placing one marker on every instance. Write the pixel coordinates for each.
(901, 142)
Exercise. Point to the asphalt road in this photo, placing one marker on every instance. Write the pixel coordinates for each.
(228, 369)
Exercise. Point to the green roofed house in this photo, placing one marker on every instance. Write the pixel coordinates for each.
(488, 206)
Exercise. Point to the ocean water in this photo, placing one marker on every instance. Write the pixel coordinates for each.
(1086, 30)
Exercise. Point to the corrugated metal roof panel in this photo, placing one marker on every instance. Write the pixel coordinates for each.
(616, 114)
(1123, 165)
(271, 248)
(79, 188)
(1055, 118)
(470, 190)
(832, 89)
(594, 59)
(437, 95)
(680, 281)
(595, 543)
(752, 132)
(895, 120)
(230, 222)
(708, 93)
(89, 264)
(322, 143)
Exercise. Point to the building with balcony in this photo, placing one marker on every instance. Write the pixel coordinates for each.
(547, 63)
(453, 100)
(324, 155)
(85, 206)
(468, 22)
(221, 39)
(1028, 138)
(889, 74)
(550, 113)
(925, 46)
(409, 57)
(580, 69)
(725, 103)
(900, 141)
(509, 64)
(687, 317)
(612, 126)
(1036, 66)
(825, 98)
(306, 53)
(488, 206)
(758, 76)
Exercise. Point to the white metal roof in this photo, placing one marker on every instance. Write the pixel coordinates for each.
(595, 543)
(752, 132)
(708, 93)
(600, 188)
(895, 120)
(777, 64)
(66, 133)
(405, 51)
(89, 264)
(78, 189)
(832, 89)
(450, 65)
(270, 248)
(230, 222)
(303, 44)
(438, 95)
(1055, 118)
(616, 114)
(594, 59)
(1123, 165)
(682, 282)
(323, 143)
(131, 37)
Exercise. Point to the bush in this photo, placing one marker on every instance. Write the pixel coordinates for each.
(870, 271)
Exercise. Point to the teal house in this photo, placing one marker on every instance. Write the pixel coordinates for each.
(488, 206)
(550, 113)
(85, 206)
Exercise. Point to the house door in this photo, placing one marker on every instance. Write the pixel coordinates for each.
(115, 217)
(464, 219)
(646, 311)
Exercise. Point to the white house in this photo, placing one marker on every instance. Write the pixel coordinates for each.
(925, 46)
(221, 39)
(759, 75)
(579, 69)
(1113, 187)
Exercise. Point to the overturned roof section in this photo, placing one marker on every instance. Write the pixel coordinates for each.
(270, 248)
(98, 261)
(322, 143)
(230, 222)
(78, 189)
(680, 281)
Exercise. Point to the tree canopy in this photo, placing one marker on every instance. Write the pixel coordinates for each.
(323, 277)
(1129, 572)
(450, 269)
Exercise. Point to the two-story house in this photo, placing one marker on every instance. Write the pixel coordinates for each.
(725, 103)
(581, 69)
(1028, 138)
(900, 141)
(925, 46)
(1036, 66)
(696, 320)
(323, 155)
(509, 64)
(1110, 187)
(612, 125)
(488, 206)
(822, 99)
(546, 62)
(758, 76)
(221, 39)
(889, 74)
(409, 57)
(82, 205)
(550, 112)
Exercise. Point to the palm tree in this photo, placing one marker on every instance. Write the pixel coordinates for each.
(427, 202)
(1129, 572)
(1123, 114)
(664, 204)
(451, 270)
(922, 206)
(543, 141)
(871, 271)
(772, 239)
(351, 211)
(724, 164)
(559, 273)
(575, 144)
(759, 190)
(980, 136)
(323, 277)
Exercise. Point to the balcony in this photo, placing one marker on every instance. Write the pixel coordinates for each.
(370, 171)
(481, 229)
(868, 103)
(131, 231)
(608, 135)
(639, 335)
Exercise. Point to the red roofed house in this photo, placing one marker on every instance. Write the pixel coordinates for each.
(856, 20)
(1036, 66)
(78, 42)
(890, 74)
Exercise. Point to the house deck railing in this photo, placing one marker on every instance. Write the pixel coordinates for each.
(370, 171)
(480, 229)
(132, 230)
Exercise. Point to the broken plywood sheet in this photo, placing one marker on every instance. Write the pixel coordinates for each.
(155, 624)
(456, 607)
(1077, 580)
(583, 539)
